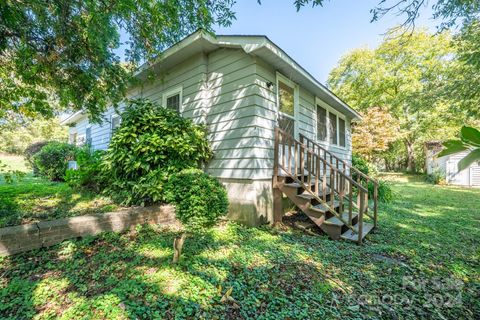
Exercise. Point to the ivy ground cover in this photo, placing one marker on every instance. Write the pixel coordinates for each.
(423, 262)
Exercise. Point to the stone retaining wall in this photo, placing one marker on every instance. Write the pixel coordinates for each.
(47, 233)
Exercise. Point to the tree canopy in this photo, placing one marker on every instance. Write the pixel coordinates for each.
(406, 77)
(62, 54)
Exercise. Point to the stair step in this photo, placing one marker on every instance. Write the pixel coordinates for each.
(296, 185)
(322, 208)
(335, 221)
(350, 235)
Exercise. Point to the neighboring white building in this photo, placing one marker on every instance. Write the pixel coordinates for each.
(233, 84)
(448, 166)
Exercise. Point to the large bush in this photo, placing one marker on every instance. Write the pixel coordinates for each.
(52, 160)
(199, 199)
(151, 144)
(384, 191)
(32, 150)
(87, 175)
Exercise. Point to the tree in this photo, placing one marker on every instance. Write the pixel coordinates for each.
(16, 136)
(405, 77)
(374, 133)
(62, 52)
(450, 12)
(465, 84)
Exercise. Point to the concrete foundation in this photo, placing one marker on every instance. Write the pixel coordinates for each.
(251, 201)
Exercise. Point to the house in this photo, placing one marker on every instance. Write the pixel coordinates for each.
(447, 166)
(241, 87)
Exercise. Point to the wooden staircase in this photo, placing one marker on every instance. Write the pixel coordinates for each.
(333, 194)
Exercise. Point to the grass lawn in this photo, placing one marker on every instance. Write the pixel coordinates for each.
(423, 262)
(32, 199)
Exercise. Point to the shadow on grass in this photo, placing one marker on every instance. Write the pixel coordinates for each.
(34, 199)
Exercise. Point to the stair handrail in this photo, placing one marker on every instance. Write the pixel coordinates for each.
(363, 195)
(350, 167)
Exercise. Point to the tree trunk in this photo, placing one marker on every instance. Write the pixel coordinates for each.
(410, 156)
(177, 246)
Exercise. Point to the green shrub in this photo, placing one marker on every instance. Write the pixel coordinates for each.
(52, 160)
(436, 177)
(384, 192)
(32, 150)
(361, 164)
(87, 175)
(151, 144)
(200, 200)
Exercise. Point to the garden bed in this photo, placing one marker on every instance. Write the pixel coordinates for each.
(428, 235)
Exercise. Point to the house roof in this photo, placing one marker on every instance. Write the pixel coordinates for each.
(257, 45)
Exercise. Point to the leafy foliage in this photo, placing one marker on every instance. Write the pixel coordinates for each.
(16, 136)
(88, 173)
(65, 51)
(470, 140)
(151, 144)
(33, 199)
(236, 272)
(374, 133)
(436, 177)
(32, 150)
(384, 190)
(52, 160)
(200, 200)
(9, 175)
(407, 78)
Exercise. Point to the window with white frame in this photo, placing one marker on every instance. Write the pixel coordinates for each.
(331, 127)
(173, 99)
(88, 135)
(286, 105)
(73, 138)
(115, 122)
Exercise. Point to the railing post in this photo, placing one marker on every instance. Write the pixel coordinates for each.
(275, 154)
(375, 199)
(360, 215)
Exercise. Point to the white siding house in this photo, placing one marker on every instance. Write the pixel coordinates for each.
(233, 85)
(447, 166)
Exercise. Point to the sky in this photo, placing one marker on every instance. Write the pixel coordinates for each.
(316, 37)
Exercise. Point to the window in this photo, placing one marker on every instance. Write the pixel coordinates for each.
(173, 102)
(88, 136)
(116, 120)
(321, 124)
(286, 107)
(332, 125)
(173, 99)
(341, 132)
(73, 138)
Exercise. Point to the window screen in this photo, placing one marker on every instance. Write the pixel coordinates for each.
(88, 136)
(173, 102)
(341, 132)
(116, 120)
(286, 97)
(73, 138)
(321, 124)
(333, 128)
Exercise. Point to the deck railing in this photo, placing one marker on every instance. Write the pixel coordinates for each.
(352, 172)
(318, 176)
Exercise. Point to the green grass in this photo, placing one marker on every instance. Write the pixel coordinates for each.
(13, 162)
(32, 199)
(429, 235)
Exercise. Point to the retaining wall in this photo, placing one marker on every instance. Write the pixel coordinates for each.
(47, 233)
